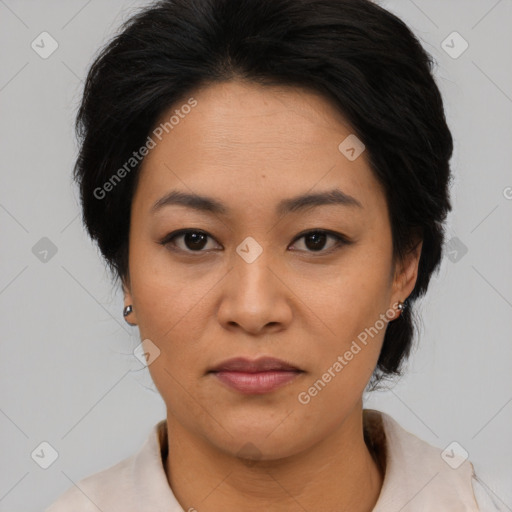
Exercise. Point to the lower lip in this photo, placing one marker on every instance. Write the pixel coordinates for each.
(256, 383)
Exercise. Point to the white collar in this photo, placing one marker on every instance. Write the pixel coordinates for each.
(416, 479)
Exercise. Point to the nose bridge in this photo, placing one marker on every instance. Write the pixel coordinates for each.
(251, 298)
(251, 261)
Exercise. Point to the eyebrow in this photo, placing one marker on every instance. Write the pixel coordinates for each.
(294, 204)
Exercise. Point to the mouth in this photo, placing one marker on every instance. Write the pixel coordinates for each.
(258, 376)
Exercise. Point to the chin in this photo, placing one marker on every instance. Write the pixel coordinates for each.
(260, 440)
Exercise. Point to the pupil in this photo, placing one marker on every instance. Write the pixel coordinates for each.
(318, 240)
(194, 240)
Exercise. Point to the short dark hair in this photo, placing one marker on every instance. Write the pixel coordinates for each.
(353, 52)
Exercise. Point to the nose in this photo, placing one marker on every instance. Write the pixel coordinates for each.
(254, 296)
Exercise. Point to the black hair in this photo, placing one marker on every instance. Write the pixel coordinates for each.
(361, 57)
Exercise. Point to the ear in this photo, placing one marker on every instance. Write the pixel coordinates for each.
(406, 273)
(128, 301)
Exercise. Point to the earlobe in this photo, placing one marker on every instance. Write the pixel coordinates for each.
(398, 308)
(406, 275)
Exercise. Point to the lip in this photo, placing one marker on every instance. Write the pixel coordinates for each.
(256, 383)
(262, 364)
(259, 376)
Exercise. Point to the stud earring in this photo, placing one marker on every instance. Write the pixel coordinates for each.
(402, 306)
(127, 311)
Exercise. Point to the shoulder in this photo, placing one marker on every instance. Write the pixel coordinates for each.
(420, 476)
(123, 486)
(102, 489)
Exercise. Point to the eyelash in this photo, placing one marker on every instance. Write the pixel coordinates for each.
(340, 240)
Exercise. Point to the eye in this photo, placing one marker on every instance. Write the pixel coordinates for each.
(315, 241)
(194, 240)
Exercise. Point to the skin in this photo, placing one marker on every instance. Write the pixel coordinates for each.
(249, 147)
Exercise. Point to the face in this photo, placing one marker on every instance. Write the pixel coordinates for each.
(260, 271)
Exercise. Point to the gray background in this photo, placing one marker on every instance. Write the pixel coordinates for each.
(68, 374)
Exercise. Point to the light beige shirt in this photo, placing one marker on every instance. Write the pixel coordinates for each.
(418, 477)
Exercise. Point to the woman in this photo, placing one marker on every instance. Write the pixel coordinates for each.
(269, 181)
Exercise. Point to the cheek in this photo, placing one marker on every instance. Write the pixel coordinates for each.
(356, 292)
(353, 324)
(167, 296)
(171, 313)
(351, 308)
(171, 304)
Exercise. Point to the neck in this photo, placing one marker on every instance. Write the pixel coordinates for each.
(338, 473)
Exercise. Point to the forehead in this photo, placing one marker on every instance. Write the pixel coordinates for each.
(253, 144)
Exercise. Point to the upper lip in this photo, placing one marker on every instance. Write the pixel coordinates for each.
(262, 364)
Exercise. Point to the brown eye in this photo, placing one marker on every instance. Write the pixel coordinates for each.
(315, 241)
(192, 240)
